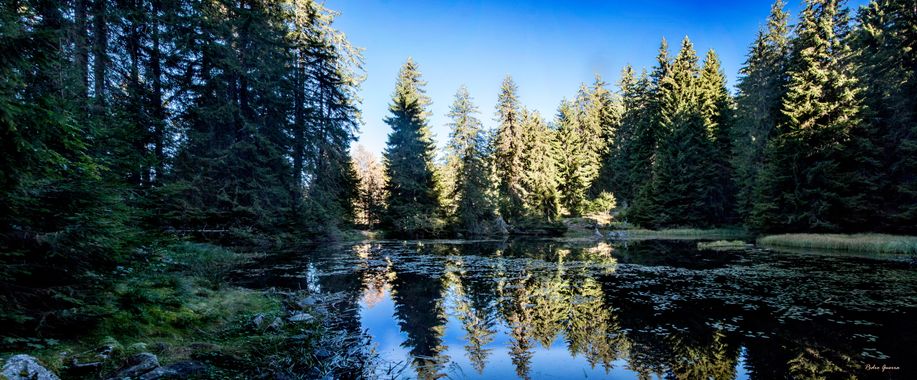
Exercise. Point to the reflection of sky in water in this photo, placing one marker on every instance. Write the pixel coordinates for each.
(658, 308)
(555, 362)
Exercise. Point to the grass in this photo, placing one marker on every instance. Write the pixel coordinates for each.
(721, 245)
(179, 306)
(867, 243)
(683, 233)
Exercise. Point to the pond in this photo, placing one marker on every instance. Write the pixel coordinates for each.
(545, 309)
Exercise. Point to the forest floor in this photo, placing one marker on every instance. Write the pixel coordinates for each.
(179, 307)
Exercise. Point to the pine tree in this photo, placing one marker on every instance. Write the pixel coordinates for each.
(683, 180)
(717, 110)
(507, 151)
(615, 175)
(473, 206)
(647, 135)
(331, 117)
(886, 150)
(802, 186)
(605, 110)
(231, 172)
(574, 161)
(540, 179)
(63, 213)
(412, 206)
(758, 103)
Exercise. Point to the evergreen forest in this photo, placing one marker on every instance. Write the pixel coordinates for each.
(130, 127)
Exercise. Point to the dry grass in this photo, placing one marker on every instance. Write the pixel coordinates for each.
(871, 243)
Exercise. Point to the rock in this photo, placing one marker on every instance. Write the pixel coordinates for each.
(596, 234)
(258, 320)
(137, 365)
(300, 317)
(276, 324)
(25, 367)
(323, 354)
(502, 227)
(105, 352)
(179, 370)
(307, 301)
(78, 368)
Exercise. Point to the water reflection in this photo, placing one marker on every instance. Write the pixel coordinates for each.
(654, 309)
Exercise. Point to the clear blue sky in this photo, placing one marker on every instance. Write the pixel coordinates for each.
(549, 47)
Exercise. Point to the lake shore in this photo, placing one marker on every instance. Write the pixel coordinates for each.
(679, 234)
(176, 312)
(865, 242)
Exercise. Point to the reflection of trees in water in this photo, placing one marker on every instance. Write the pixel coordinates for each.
(592, 330)
(697, 360)
(544, 303)
(518, 315)
(546, 290)
(542, 291)
(814, 362)
(478, 323)
(418, 299)
(377, 274)
(535, 301)
(549, 304)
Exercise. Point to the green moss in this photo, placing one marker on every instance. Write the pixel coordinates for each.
(179, 306)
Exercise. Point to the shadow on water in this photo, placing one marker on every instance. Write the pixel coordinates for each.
(635, 310)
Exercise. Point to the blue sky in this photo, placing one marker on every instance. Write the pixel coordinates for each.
(549, 47)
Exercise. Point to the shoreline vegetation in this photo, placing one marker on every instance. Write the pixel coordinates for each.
(587, 227)
(179, 314)
(863, 243)
(683, 233)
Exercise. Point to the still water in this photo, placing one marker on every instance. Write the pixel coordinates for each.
(599, 310)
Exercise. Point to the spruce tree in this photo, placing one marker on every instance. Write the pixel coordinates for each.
(507, 151)
(540, 179)
(803, 187)
(604, 110)
(231, 172)
(621, 159)
(584, 127)
(413, 203)
(331, 117)
(575, 164)
(647, 135)
(683, 180)
(758, 103)
(886, 64)
(717, 110)
(64, 215)
(470, 192)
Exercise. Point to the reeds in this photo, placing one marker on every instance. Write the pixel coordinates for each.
(871, 243)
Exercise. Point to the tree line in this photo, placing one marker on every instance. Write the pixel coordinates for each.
(820, 136)
(127, 120)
